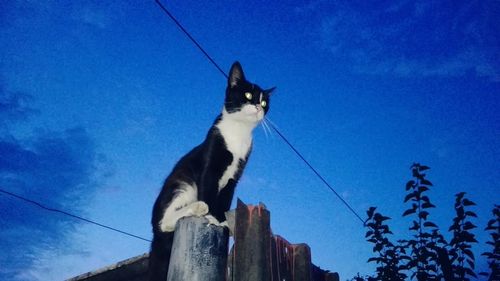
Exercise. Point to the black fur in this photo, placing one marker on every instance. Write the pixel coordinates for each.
(204, 166)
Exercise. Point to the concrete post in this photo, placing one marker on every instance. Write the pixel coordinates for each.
(199, 251)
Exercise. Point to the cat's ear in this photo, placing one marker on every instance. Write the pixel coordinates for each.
(235, 75)
(270, 91)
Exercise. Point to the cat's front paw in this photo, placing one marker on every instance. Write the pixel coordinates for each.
(198, 208)
(212, 220)
(224, 224)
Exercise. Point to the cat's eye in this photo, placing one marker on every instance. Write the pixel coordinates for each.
(248, 95)
(263, 103)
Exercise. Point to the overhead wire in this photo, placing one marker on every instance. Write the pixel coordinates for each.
(179, 25)
(40, 205)
(198, 45)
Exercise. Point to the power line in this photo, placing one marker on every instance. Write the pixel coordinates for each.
(317, 173)
(190, 37)
(33, 202)
(179, 25)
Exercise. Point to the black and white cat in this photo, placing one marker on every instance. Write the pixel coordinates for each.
(202, 183)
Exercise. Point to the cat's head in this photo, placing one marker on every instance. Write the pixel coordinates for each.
(245, 101)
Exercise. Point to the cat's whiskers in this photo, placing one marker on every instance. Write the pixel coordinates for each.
(266, 127)
(272, 124)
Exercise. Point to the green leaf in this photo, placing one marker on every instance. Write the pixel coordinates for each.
(408, 212)
(423, 168)
(415, 226)
(467, 202)
(426, 182)
(410, 185)
(415, 173)
(468, 226)
(427, 205)
(370, 212)
(425, 235)
(460, 195)
(491, 225)
(470, 214)
(430, 224)
(488, 255)
(422, 188)
(454, 241)
(469, 254)
(384, 218)
(410, 196)
(385, 228)
(423, 215)
(468, 237)
(470, 272)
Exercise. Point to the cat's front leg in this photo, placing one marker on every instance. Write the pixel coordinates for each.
(224, 224)
(212, 220)
(175, 212)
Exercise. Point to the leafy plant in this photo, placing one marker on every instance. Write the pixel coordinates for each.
(462, 258)
(494, 256)
(361, 278)
(388, 255)
(427, 255)
(423, 260)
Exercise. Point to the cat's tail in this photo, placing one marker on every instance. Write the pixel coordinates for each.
(159, 258)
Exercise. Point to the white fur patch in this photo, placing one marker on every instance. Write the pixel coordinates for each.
(236, 129)
(183, 204)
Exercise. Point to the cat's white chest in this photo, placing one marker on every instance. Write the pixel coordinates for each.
(238, 139)
(238, 145)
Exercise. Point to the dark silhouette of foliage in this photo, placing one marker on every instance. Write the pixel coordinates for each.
(388, 259)
(361, 278)
(461, 256)
(423, 258)
(389, 256)
(494, 256)
(427, 255)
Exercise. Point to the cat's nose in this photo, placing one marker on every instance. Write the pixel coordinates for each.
(259, 107)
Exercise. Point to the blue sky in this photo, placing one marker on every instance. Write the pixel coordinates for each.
(98, 101)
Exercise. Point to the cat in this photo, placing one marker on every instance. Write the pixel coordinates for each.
(202, 183)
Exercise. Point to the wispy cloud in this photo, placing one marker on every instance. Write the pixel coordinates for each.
(404, 38)
(14, 107)
(93, 17)
(69, 263)
(99, 14)
(94, 14)
(56, 168)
